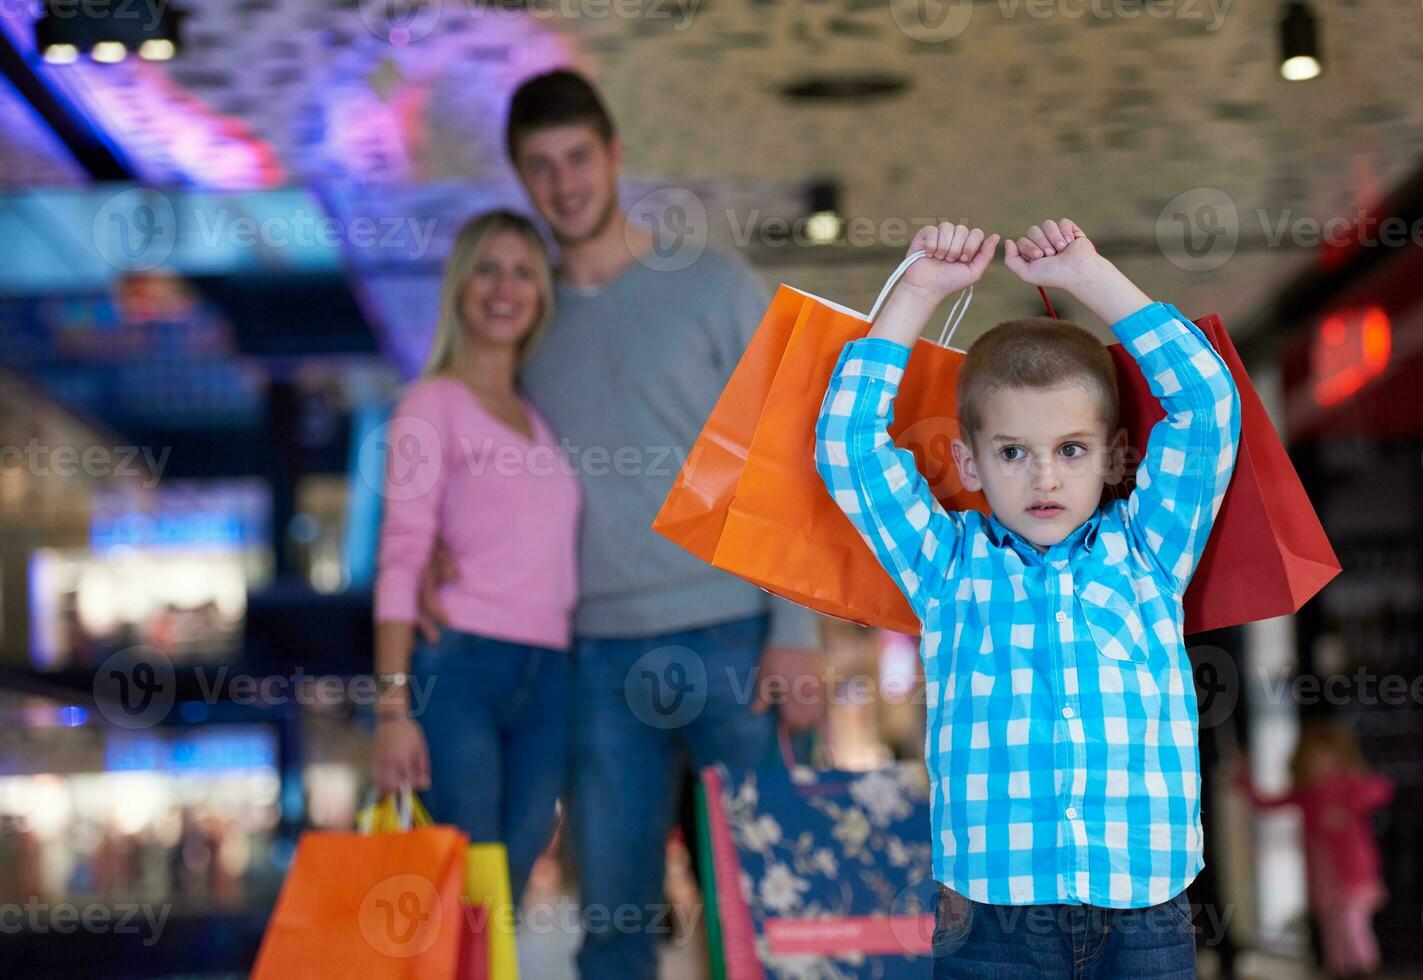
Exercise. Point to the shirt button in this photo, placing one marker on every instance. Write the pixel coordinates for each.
(1058, 564)
(1061, 616)
(1067, 712)
(1072, 813)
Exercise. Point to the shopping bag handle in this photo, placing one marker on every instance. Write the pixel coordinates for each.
(392, 812)
(822, 732)
(955, 314)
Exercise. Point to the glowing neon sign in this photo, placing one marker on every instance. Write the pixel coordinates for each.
(1349, 349)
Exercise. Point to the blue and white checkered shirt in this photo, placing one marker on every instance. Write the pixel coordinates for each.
(1062, 727)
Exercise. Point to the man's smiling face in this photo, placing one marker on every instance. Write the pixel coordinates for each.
(570, 173)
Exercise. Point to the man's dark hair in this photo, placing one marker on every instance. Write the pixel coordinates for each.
(556, 98)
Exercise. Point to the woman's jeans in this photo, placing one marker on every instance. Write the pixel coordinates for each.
(495, 717)
(974, 940)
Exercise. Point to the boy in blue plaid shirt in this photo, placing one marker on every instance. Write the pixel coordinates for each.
(1061, 738)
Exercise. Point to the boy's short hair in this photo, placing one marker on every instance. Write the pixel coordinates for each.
(556, 98)
(1035, 352)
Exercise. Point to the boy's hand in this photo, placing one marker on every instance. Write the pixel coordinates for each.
(1054, 254)
(1058, 255)
(957, 258)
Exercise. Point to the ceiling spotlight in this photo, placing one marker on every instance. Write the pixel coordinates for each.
(109, 52)
(1299, 43)
(824, 224)
(157, 49)
(105, 31)
(61, 54)
(823, 227)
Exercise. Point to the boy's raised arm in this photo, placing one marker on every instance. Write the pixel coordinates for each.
(1190, 454)
(877, 485)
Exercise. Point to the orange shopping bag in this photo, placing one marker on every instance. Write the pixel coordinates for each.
(693, 513)
(371, 905)
(782, 530)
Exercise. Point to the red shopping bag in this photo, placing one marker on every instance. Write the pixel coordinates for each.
(1267, 554)
(474, 943)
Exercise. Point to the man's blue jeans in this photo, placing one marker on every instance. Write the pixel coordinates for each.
(496, 722)
(642, 709)
(976, 941)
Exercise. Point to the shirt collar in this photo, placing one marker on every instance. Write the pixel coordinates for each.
(1079, 542)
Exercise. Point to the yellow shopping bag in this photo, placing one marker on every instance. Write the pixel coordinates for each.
(490, 904)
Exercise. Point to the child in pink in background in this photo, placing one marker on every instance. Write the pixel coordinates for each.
(1336, 793)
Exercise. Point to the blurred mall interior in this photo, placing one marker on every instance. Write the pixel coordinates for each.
(220, 260)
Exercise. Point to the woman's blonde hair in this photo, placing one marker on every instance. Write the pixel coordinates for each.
(451, 331)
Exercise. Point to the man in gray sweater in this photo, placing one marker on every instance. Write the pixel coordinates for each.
(673, 658)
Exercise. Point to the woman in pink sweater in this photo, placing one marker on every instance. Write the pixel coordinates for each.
(1336, 794)
(478, 718)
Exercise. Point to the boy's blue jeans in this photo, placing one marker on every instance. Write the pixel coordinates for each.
(974, 940)
(642, 709)
(496, 723)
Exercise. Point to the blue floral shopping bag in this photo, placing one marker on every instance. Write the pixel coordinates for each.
(818, 873)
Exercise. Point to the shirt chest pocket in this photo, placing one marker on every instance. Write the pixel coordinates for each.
(1113, 621)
